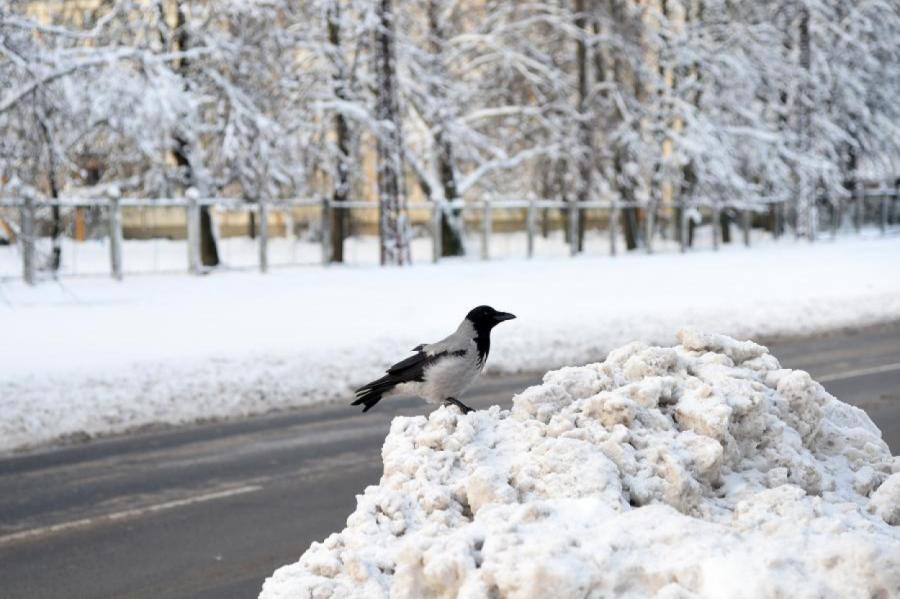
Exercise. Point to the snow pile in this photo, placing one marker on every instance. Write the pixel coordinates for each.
(700, 470)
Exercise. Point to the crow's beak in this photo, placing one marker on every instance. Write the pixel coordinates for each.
(501, 316)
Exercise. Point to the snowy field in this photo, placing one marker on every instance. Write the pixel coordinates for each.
(89, 356)
(701, 470)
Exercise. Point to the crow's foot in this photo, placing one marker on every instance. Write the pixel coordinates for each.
(452, 401)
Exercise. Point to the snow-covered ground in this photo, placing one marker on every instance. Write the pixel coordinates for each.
(92, 356)
(703, 470)
(148, 256)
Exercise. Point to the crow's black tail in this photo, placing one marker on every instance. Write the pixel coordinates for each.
(370, 394)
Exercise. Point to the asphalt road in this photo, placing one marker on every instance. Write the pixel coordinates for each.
(211, 510)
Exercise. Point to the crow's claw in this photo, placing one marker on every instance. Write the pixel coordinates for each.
(452, 401)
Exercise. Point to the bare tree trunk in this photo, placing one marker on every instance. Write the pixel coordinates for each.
(451, 226)
(850, 168)
(546, 194)
(689, 182)
(451, 220)
(630, 216)
(209, 251)
(55, 228)
(339, 218)
(585, 124)
(562, 192)
(392, 221)
(631, 225)
(725, 224)
(804, 202)
(55, 218)
(686, 191)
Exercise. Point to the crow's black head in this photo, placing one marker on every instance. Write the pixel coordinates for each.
(485, 318)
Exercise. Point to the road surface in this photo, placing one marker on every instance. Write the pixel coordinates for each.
(211, 510)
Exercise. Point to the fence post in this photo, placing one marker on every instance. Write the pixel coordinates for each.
(326, 230)
(530, 223)
(289, 234)
(837, 213)
(613, 227)
(649, 225)
(27, 237)
(893, 216)
(486, 226)
(776, 220)
(812, 220)
(883, 220)
(573, 227)
(773, 220)
(893, 211)
(782, 218)
(437, 232)
(263, 218)
(115, 235)
(745, 224)
(779, 219)
(716, 225)
(860, 211)
(193, 230)
(795, 213)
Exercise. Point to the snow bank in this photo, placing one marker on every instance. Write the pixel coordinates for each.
(701, 470)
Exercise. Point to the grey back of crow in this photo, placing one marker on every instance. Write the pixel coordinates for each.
(439, 372)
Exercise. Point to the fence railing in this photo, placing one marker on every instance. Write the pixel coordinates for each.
(658, 220)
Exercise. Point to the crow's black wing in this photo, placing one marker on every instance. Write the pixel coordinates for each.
(412, 369)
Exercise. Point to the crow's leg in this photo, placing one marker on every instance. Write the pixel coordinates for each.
(455, 402)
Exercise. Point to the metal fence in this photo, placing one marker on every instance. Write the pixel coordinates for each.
(673, 223)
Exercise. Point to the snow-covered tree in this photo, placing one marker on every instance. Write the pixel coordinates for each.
(654, 102)
(83, 106)
(484, 93)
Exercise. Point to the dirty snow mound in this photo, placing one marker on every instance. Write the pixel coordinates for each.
(703, 469)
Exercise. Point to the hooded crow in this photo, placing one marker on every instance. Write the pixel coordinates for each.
(440, 372)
